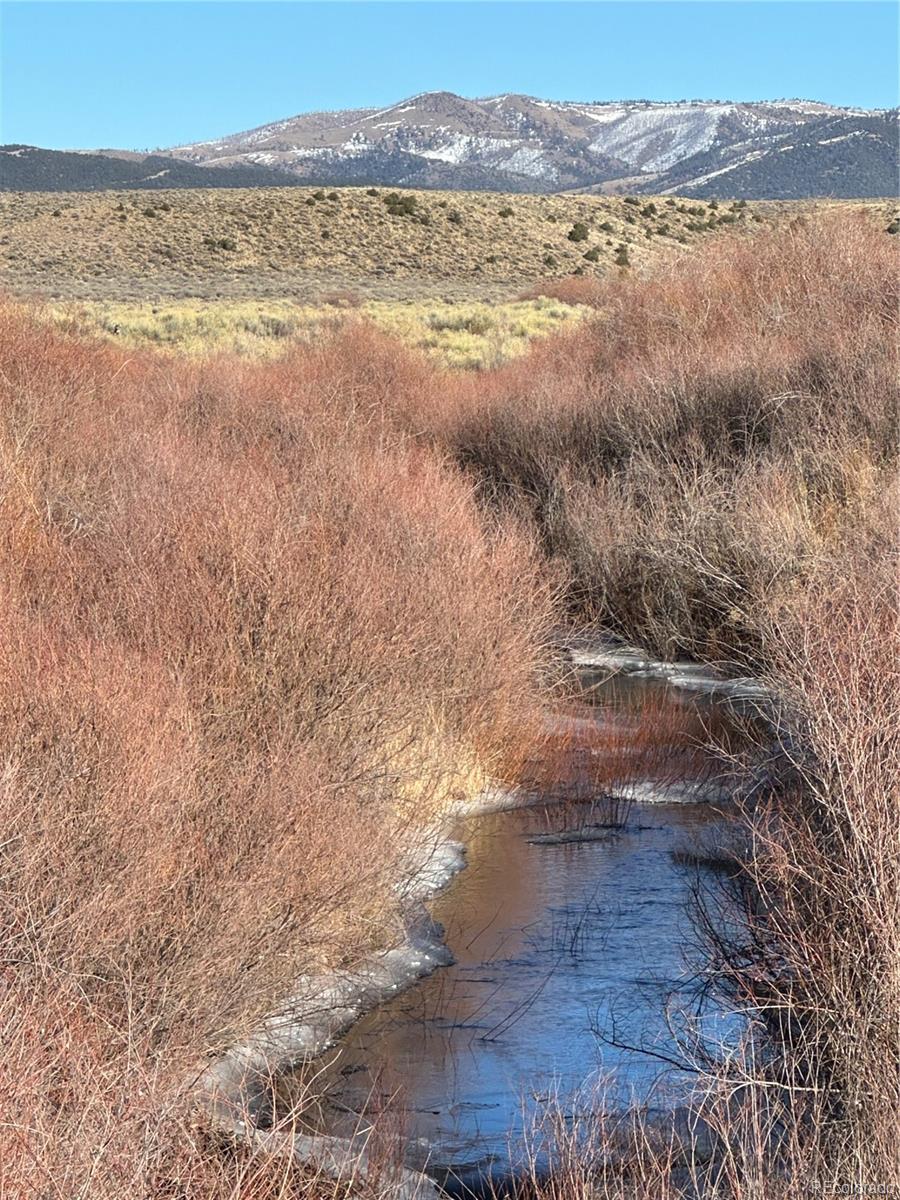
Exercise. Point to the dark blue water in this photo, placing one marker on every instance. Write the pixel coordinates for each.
(573, 961)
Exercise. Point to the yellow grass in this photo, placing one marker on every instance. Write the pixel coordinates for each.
(465, 334)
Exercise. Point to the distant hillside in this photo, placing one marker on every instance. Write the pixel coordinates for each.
(779, 150)
(372, 242)
(714, 149)
(301, 241)
(30, 169)
(842, 157)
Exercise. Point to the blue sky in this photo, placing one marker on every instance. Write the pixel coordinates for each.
(154, 74)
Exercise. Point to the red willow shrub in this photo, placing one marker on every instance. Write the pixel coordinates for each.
(692, 448)
(714, 460)
(251, 638)
(570, 289)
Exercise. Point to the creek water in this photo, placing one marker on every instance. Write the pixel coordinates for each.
(571, 956)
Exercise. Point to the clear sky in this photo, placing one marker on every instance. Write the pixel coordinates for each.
(143, 75)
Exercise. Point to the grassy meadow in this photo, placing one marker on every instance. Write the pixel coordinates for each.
(460, 334)
(269, 610)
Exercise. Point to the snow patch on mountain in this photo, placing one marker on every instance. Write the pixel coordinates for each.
(530, 160)
(732, 166)
(461, 148)
(844, 137)
(654, 140)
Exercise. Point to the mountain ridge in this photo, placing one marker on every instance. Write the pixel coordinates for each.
(517, 142)
(511, 142)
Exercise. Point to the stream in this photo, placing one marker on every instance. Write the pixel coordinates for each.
(572, 942)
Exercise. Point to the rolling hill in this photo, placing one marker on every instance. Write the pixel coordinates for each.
(31, 169)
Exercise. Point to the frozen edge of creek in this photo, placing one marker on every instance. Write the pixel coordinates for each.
(690, 676)
(234, 1090)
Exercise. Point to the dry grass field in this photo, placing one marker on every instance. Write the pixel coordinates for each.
(306, 243)
(470, 278)
(456, 333)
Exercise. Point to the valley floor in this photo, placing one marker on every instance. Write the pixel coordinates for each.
(266, 616)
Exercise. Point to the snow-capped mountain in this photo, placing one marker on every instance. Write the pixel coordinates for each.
(782, 148)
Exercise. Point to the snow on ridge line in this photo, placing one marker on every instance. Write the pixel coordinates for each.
(596, 109)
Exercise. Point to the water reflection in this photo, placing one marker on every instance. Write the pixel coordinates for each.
(566, 954)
